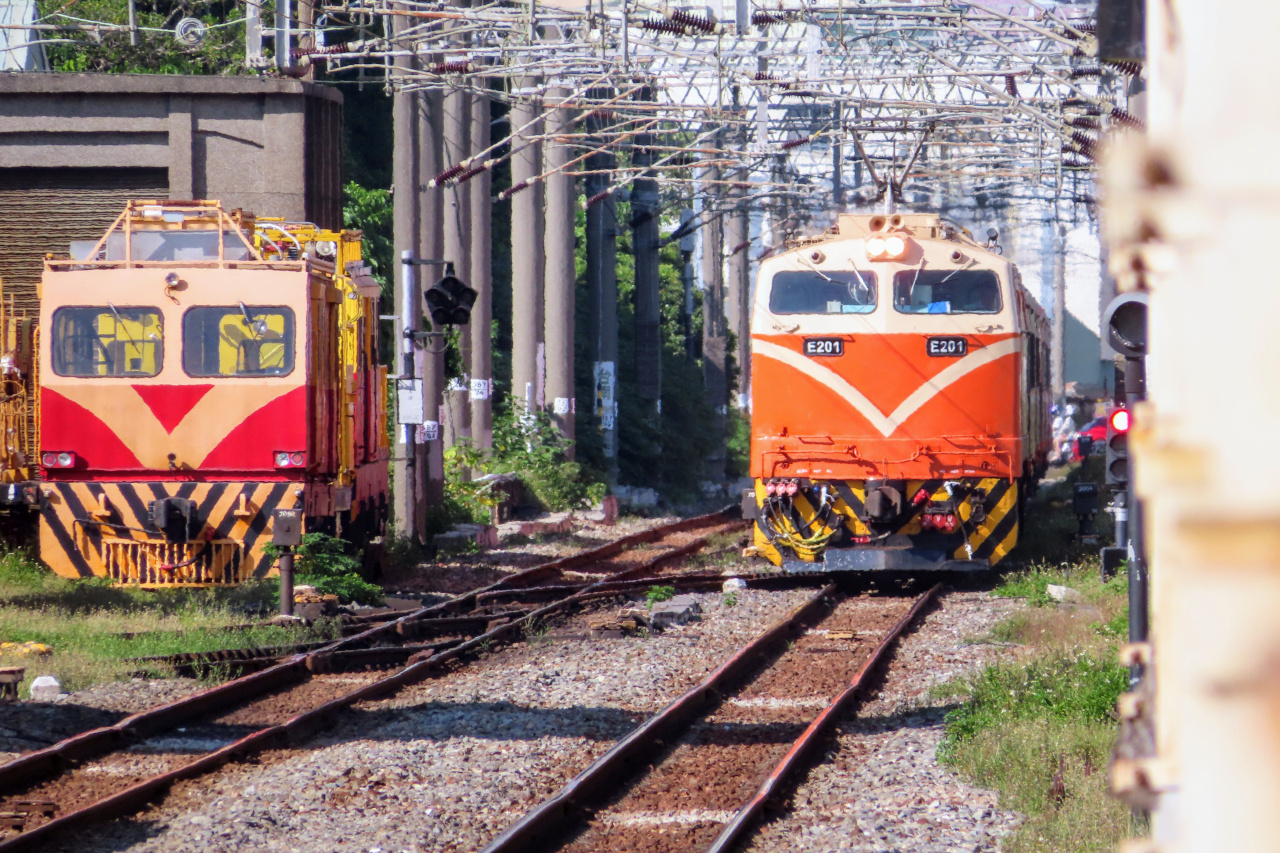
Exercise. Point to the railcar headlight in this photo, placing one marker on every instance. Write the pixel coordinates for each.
(895, 246)
(875, 248)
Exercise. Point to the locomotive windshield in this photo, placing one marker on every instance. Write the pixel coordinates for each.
(825, 292)
(107, 341)
(946, 292)
(237, 340)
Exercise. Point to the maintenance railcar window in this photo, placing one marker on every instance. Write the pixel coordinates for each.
(946, 292)
(237, 340)
(826, 292)
(107, 341)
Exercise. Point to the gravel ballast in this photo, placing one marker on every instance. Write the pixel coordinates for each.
(881, 789)
(448, 764)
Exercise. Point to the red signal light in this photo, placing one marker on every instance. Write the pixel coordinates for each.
(1120, 420)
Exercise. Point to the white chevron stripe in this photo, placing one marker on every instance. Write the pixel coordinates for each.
(886, 424)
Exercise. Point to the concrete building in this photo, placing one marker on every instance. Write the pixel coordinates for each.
(75, 147)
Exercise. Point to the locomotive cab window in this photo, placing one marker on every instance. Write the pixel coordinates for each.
(237, 340)
(107, 341)
(946, 292)
(826, 292)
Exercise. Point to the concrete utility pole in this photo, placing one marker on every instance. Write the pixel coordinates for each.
(738, 288)
(481, 327)
(837, 156)
(1058, 354)
(404, 212)
(526, 269)
(457, 250)
(602, 295)
(714, 342)
(431, 353)
(561, 273)
(645, 210)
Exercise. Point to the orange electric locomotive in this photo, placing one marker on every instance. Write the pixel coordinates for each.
(197, 370)
(899, 378)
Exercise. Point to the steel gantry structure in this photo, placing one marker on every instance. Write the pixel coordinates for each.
(759, 121)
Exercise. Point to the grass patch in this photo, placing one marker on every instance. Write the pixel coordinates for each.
(1039, 727)
(94, 627)
(659, 593)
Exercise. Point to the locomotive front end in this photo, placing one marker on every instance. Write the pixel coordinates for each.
(188, 383)
(895, 370)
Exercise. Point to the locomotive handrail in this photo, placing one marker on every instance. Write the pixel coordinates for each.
(71, 264)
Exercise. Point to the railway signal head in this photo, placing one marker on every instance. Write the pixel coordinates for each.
(1118, 448)
(450, 300)
(1126, 322)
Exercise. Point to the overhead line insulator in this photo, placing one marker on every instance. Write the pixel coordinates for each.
(692, 21)
(796, 143)
(1125, 66)
(451, 67)
(662, 25)
(1127, 119)
(513, 189)
(469, 174)
(448, 173)
(764, 19)
(1088, 145)
(1085, 71)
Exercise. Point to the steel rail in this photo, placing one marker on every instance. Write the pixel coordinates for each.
(802, 749)
(307, 722)
(95, 742)
(547, 819)
(544, 826)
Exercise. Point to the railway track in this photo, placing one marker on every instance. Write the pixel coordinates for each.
(113, 771)
(697, 775)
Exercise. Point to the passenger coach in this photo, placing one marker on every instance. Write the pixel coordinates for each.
(899, 398)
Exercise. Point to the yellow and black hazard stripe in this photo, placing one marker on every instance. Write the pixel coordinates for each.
(990, 539)
(994, 537)
(104, 530)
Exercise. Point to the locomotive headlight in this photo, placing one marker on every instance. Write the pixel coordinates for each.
(876, 247)
(895, 246)
(65, 460)
(282, 459)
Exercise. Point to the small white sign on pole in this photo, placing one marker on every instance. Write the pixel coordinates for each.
(409, 407)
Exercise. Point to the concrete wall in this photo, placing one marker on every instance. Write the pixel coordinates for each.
(270, 146)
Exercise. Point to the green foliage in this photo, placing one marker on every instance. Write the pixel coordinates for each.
(325, 562)
(157, 51)
(94, 627)
(1060, 686)
(659, 593)
(730, 599)
(369, 211)
(530, 446)
(1032, 584)
(1027, 759)
(739, 443)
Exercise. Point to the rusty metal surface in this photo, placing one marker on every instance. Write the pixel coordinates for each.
(295, 668)
(545, 821)
(812, 736)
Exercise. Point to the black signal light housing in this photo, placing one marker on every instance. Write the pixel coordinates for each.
(450, 300)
